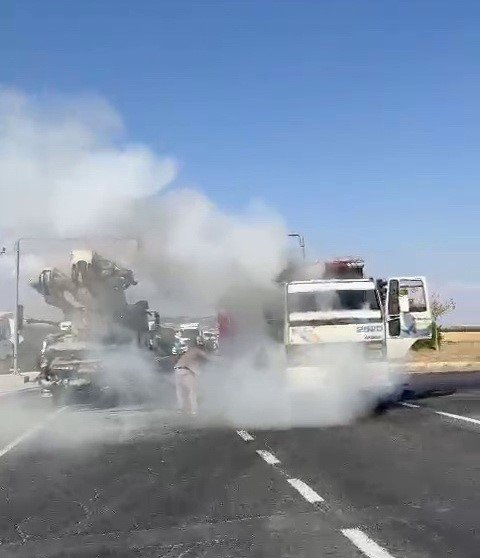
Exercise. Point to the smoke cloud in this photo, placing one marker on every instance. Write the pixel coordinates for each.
(67, 162)
(258, 391)
(68, 169)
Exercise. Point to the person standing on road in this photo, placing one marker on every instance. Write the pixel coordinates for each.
(226, 333)
(187, 371)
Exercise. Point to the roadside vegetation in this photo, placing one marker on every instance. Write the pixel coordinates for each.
(440, 308)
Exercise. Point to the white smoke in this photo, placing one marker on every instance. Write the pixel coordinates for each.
(322, 385)
(259, 391)
(67, 163)
(67, 169)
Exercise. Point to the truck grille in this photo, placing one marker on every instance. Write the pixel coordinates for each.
(313, 354)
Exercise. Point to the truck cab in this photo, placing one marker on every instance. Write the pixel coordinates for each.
(334, 312)
(382, 318)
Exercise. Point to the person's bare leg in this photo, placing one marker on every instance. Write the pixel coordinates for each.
(193, 395)
(180, 389)
(190, 393)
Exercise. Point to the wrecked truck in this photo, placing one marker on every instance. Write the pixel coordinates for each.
(97, 322)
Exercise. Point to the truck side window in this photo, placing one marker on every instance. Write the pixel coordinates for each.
(415, 290)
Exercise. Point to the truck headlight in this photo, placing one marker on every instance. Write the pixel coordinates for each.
(375, 349)
(375, 345)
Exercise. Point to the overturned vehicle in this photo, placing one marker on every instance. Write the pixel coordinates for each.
(98, 324)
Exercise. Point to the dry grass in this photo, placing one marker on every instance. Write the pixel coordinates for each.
(456, 346)
(461, 336)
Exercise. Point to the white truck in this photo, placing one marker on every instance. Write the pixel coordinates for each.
(344, 317)
(385, 317)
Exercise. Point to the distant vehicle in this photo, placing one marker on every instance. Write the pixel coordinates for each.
(190, 331)
(181, 345)
(209, 340)
(6, 340)
(7, 329)
(162, 339)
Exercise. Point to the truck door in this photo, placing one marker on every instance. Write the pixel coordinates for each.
(407, 314)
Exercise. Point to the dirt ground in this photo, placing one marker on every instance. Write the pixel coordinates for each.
(456, 346)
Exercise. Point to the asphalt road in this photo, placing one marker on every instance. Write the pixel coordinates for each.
(139, 482)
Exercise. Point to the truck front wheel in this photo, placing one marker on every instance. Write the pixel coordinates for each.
(380, 408)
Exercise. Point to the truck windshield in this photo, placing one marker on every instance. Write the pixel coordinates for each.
(415, 290)
(324, 301)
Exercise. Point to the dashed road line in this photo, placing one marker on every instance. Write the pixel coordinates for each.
(19, 439)
(458, 417)
(268, 457)
(308, 493)
(410, 405)
(443, 413)
(246, 436)
(365, 544)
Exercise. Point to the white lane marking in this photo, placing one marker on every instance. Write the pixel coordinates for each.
(457, 417)
(268, 457)
(365, 544)
(19, 439)
(308, 493)
(245, 435)
(444, 413)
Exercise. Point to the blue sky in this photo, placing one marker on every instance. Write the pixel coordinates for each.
(358, 121)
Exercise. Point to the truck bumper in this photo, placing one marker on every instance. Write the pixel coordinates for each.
(303, 378)
(377, 382)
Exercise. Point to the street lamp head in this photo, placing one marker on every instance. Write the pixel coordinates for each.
(301, 241)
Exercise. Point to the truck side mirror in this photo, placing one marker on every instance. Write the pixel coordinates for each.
(393, 297)
(404, 303)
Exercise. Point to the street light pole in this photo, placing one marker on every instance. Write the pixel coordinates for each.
(301, 241)
(16, 316)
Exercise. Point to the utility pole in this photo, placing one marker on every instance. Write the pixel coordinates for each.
(16, 316)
